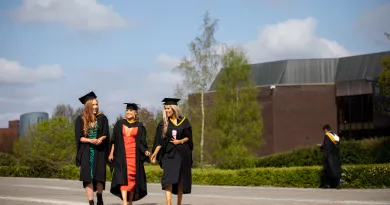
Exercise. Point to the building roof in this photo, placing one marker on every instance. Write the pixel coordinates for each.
(315, 71)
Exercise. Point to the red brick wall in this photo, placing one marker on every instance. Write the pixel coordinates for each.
(293, 115)
(300, 112)
(8, 136)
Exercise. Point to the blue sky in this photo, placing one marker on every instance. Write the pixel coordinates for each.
(54, 51)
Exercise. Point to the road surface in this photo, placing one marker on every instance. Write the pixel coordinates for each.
(33, 191)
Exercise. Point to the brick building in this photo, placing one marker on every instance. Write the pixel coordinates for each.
(300, 96)
(8, 136)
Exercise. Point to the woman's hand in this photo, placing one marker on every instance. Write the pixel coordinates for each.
(99, 141)
(176, 142)
(92, 141)
(110, 157)
(153, 158)
(147, 153)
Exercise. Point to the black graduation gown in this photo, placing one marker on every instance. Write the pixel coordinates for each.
(175, 160)
(101, 152)
(119, 164)
(331, 159)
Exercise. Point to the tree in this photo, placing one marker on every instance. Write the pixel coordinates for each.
(67, 111)
(201, 68)
(52, 139)
(63, 110)
(179, 92)
(387, 35)
(237, 113)
(119, 117)
(150, 123)
(383, 100)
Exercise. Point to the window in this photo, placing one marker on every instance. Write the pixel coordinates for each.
(354, 109)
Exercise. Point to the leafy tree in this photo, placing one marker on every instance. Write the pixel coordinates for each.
(387, 35)
(200, 69)
(383, 104)
(150, 123)
(52, 139)
(237, 113)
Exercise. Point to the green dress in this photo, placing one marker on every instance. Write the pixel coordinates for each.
(92, 134)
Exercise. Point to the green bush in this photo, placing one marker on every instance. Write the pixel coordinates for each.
(8, 160)
(368, 151)
(40, 167)
(354, 176)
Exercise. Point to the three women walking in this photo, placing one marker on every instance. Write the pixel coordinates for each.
(127, 151)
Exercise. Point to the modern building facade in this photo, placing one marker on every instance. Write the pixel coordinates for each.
(300, 96)
(28, 119)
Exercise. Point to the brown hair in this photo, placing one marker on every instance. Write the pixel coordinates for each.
(88, 116)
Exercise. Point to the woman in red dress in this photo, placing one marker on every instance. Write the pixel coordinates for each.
(127, 156)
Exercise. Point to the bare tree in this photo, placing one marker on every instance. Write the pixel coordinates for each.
(201, 67)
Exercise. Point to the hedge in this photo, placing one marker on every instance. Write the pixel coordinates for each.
(368, 151)
(354, 176)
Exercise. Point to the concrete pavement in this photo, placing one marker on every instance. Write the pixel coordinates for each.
(33, 191)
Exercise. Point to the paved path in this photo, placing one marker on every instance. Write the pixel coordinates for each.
(32, 191)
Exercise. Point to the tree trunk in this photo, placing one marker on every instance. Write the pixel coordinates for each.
(202, 130)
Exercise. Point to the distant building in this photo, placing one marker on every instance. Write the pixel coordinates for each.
(299, 96)
(8, 136)
(28, 119)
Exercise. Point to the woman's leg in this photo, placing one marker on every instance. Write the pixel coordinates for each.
(124, 197)
(131, 198)
(179, 193)
(99, 194)
(168, 194)
(89, 191)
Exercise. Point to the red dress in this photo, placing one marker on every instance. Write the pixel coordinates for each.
(130, 149)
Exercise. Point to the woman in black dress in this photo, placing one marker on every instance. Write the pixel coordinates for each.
(92, 140)
(173, 149)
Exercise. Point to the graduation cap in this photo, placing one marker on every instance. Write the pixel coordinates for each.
(87, 97)
(170, 101)
(131, 106)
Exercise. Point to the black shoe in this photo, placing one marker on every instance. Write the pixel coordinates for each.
(91, 202)
(99, 199)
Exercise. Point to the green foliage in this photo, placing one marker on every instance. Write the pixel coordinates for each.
(354, 176)
(368, 151)
(41, 166)
(383, 103)
(237, 114)
(8, 160)
(52, 140)
(150, 124)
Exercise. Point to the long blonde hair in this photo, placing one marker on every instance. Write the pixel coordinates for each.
(88, 116)
(176, 113)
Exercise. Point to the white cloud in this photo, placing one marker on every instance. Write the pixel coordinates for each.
(79, 14)
(166, 61)
(12, 72)
(294, 38)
